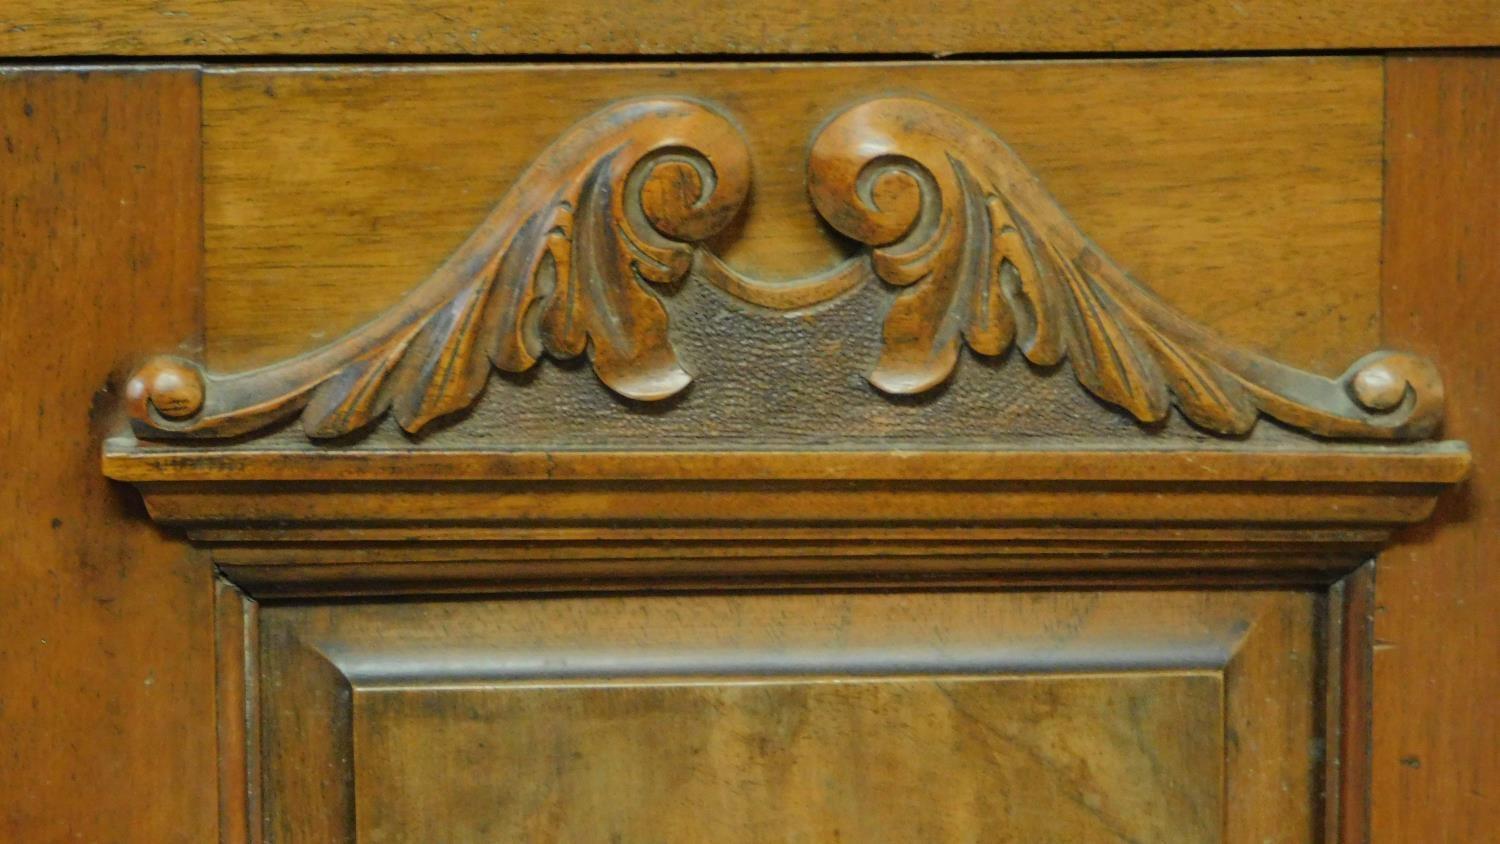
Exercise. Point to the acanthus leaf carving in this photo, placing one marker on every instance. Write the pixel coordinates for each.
(560, 267)
(979, 254)
(985, 256)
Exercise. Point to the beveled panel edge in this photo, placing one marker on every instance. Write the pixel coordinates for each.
(389, 670)
(1094, 570)
(237, 645)
(392, 663)
(1348, 691)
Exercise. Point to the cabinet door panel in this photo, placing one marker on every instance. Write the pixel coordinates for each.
(874, 717)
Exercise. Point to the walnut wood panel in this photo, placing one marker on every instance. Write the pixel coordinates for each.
(983, 257)
(330, 192)
(941, 27)
(1133, 757)
(361, 699)
(1437, 729)
(106, 648)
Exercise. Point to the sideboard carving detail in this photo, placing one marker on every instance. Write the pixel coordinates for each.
(977, 253)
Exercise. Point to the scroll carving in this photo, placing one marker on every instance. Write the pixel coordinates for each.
(986, 257)
(561, 267)
(978, 253)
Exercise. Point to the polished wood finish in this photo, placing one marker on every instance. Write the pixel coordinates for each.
(1437, 728)
(997, 262)
(237, 655)
(1347, 692)
(1226, 185)
(555, 270)
(127, 459)
(863, 578)
(106, 651)
(896, 701)
(984, 256)
(1120, 501)
(648, 589)
(571, 27)
(899, 759)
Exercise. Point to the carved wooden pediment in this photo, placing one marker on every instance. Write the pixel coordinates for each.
(968, 248)
(835, 425)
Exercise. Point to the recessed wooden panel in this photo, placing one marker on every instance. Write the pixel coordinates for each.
(1247, 192)
(1134, 757)
(1172, 716)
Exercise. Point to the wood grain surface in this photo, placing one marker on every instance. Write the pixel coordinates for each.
(1437, 674)
(106, 648)
(1003, 757)
(576, 261)
(1247, 191)
(941, 27)
(332, 191)
(1208, 697)
(305, 521)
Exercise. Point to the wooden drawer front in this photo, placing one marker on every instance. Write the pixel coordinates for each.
(865, 717)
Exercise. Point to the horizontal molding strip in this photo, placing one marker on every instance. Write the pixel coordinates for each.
(1434, 463)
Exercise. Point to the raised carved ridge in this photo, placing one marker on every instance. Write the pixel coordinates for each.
(987, 257)
(560, 267)
(981, 254)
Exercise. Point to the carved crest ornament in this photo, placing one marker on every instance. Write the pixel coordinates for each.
(974, 249)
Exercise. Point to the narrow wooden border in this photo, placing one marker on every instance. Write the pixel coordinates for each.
(1349, 691)
(237, 633)
(1436, 677)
